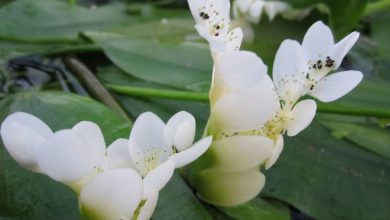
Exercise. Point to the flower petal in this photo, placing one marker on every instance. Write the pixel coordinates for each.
(302, 115)
(317, 41)
(278, 148)
(244, 110)
(239, 153)
(275, 7)
(94, 137)
(158, 178)
(342, 48)
(118, 155)
(66, 157)
(234, 40)
(147, 209)
(219, 10)
(289, 70)
(180, 130)
(216, 44)
(255, 11)
(114, 194)
(147, 140)
(336, 85)
(239, 70)
(23, 134)
(187, 156)
(229, 189)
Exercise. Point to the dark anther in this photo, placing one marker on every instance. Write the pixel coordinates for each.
(201, 14)
(216, 34)
(329, 62)
(206, 16)
(218, 27)
(311, 87)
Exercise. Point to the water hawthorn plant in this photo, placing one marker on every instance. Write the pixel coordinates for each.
(250, 113)
(121, 182)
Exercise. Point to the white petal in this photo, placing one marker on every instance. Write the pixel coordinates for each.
(336, 85)
(239, 70)
(222, 7)
(92, 135)
(114, 194)
(147, 209)
(302, 115)
(217, 44)
(66, 157)
(239, 153)
(180, 130)
(278, 148)
(158, 178)
(118, 155)
(275, 7)
(229, 189)
(318, 40)
(255, 11)
(234, 40)
(22, 135)
(289, 70)
(187, 156)
(245, 110)
(342, 48)
(243, 5)
(147, 139)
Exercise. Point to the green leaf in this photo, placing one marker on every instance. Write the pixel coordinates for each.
(55, 21)
(330, 179)
(177, 202)
(343, 15)
(366, 135)
(184, 66)
(258, 208)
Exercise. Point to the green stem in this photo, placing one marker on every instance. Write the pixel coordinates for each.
(159, 93)
(203, 97)
(376, 6)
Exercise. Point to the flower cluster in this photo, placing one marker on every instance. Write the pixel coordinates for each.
(115, 183)
(250, 112)
(247, 12)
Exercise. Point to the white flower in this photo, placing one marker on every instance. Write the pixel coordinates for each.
(303, 69)
(112, 182)
(22, 135)
(112, 195)
(152, 142)
(212, 19)
(242, 100)
(324, 56)
(252, 10)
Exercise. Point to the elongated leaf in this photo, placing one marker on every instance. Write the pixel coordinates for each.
(54, 20)
(182, 66)
(328, 178)
(178, 202)
(258, 208)
(368, 136)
